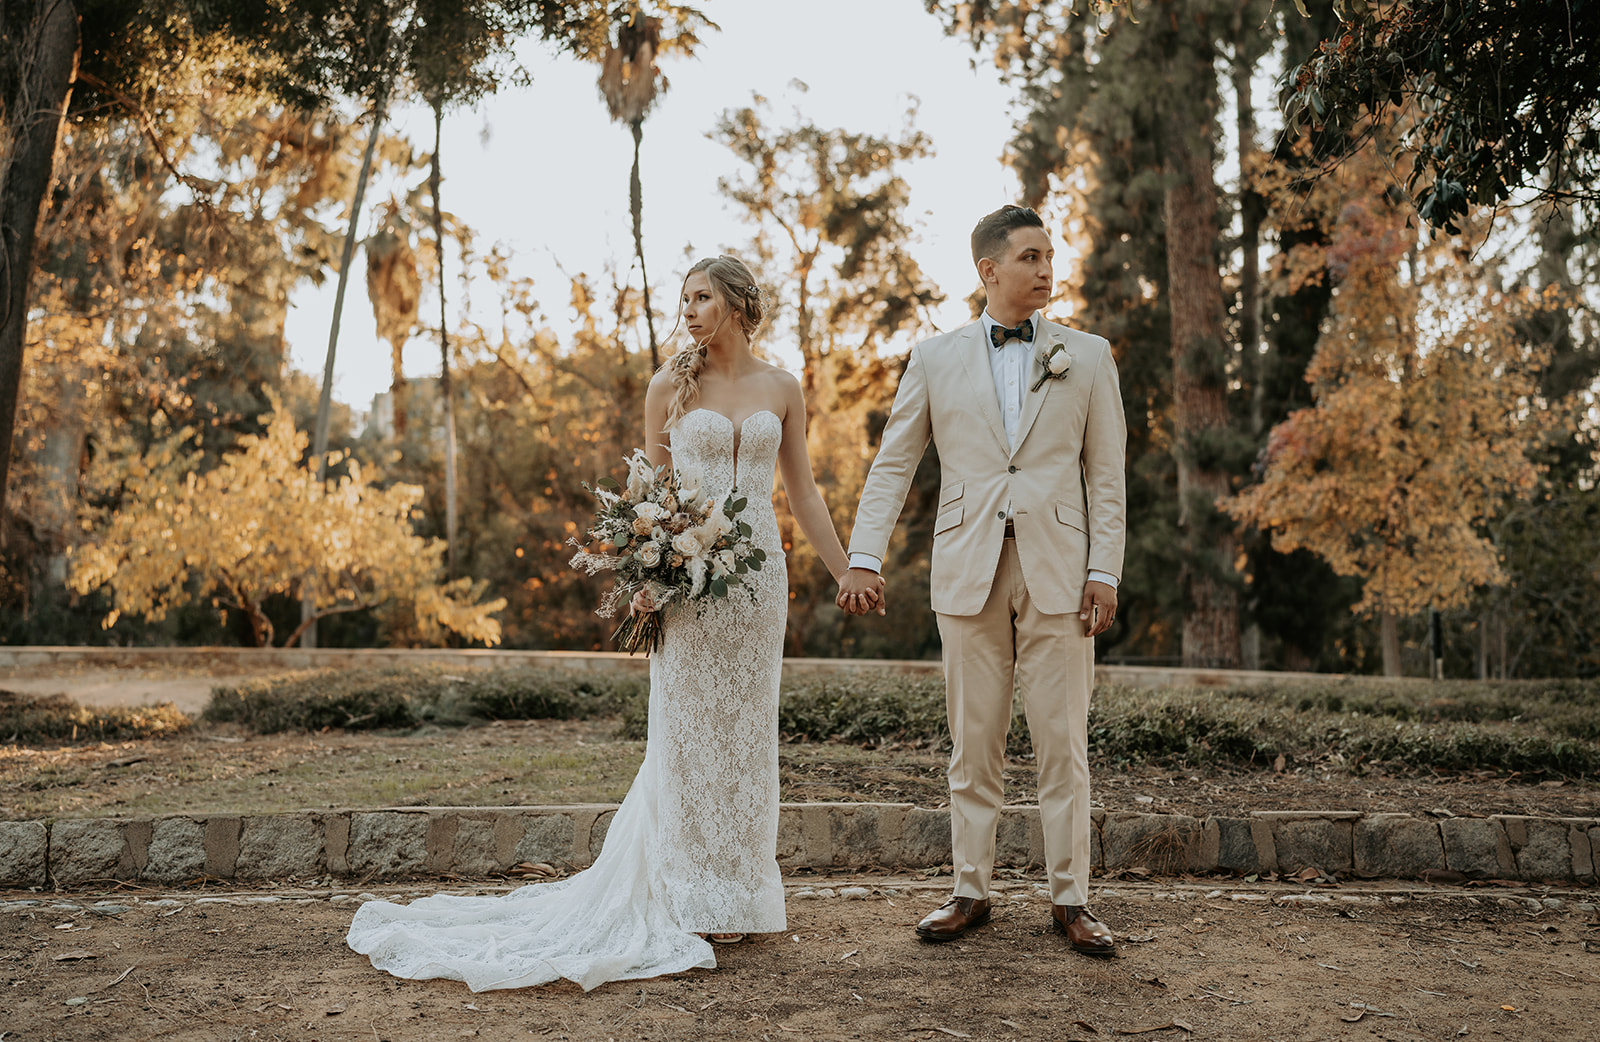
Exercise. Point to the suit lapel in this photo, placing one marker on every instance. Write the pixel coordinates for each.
(1034, 400)
(980, 377)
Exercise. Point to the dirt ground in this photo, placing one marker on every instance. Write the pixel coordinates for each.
(1381, 962)
(550, 761)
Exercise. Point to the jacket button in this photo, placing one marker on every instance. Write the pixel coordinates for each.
(1001, 515)
(1012, 469)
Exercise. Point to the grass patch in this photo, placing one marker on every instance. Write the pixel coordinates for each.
(28, 719)
(400, 699)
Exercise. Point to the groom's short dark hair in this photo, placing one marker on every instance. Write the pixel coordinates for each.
(991, 234)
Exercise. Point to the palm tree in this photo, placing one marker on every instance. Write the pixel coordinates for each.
(630, 81)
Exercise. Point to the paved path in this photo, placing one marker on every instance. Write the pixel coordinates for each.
(112, 687)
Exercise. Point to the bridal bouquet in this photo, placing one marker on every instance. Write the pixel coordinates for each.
(662, 533)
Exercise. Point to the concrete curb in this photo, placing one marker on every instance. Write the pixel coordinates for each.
(407, 841)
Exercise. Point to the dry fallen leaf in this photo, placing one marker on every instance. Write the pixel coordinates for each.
(953, 1034)
(1085, 1025)
(333, 1011)
(74, 956)
(1139, 938)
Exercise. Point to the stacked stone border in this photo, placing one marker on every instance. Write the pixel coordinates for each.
(476, 841)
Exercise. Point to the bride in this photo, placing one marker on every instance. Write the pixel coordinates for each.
(691, 852)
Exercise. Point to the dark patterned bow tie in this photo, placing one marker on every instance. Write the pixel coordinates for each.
(998, 334)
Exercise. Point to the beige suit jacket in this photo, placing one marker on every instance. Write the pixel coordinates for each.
(1065, 480)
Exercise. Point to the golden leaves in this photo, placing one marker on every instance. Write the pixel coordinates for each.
(1422, 422)
(258, 525)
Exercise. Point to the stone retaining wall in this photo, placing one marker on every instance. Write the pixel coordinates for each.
(398, 842)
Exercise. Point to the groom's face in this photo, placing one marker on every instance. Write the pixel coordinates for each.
(1020, 279)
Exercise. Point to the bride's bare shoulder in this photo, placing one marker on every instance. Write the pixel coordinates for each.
(778, 383)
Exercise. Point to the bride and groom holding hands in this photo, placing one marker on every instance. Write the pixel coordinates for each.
(1028, 538)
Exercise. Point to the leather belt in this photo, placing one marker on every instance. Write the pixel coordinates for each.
(1011, 530)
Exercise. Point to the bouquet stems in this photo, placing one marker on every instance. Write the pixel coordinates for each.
(639, 631)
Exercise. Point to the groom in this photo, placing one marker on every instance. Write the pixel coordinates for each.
(1027, 547)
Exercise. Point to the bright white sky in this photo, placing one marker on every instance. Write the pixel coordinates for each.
(544, 170)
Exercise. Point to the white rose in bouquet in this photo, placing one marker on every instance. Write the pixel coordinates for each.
(649, 555)
(651, 511)
(688, 544)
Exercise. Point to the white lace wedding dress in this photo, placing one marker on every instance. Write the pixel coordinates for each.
(692, 848)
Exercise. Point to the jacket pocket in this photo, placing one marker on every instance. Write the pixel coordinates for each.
(948, 519)
(951, 492)
(1072, 517)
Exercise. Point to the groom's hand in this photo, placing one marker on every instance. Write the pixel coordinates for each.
(1099, 608)
(861, 590)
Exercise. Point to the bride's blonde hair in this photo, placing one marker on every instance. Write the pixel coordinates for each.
(733, 283)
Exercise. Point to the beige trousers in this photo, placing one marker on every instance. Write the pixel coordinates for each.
(1052, 662)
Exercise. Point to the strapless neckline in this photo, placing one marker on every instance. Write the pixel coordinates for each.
(738, 428)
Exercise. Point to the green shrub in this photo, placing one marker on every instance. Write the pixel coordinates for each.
(1530, 726)
(361, 699)
(26, 719)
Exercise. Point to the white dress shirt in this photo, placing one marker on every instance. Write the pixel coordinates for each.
(1009, 364)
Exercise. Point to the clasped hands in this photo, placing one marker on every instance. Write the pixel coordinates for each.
(860, 591)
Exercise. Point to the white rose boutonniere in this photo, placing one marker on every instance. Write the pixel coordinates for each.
(1054, 362)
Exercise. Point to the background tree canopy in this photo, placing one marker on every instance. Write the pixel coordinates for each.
(1336, 422)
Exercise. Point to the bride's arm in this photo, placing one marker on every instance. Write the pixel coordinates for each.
(656, 399)
(805, 500)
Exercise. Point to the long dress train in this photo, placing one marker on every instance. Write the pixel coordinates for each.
(692, 848)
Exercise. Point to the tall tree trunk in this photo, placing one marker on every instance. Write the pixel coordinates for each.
(1252, 210)
(1483, 646)
(636, 206)
(319, 441)
(1389, 634)
(1211, 636)
(42, 52)
(445, 392)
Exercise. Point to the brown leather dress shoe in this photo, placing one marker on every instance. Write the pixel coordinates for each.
(1084, 932)
(954, 918)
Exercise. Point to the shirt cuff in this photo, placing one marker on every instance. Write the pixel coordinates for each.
(1103, 577)
(867, 561)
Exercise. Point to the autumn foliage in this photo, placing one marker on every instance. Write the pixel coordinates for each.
(259, 524)
(1423, 420)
